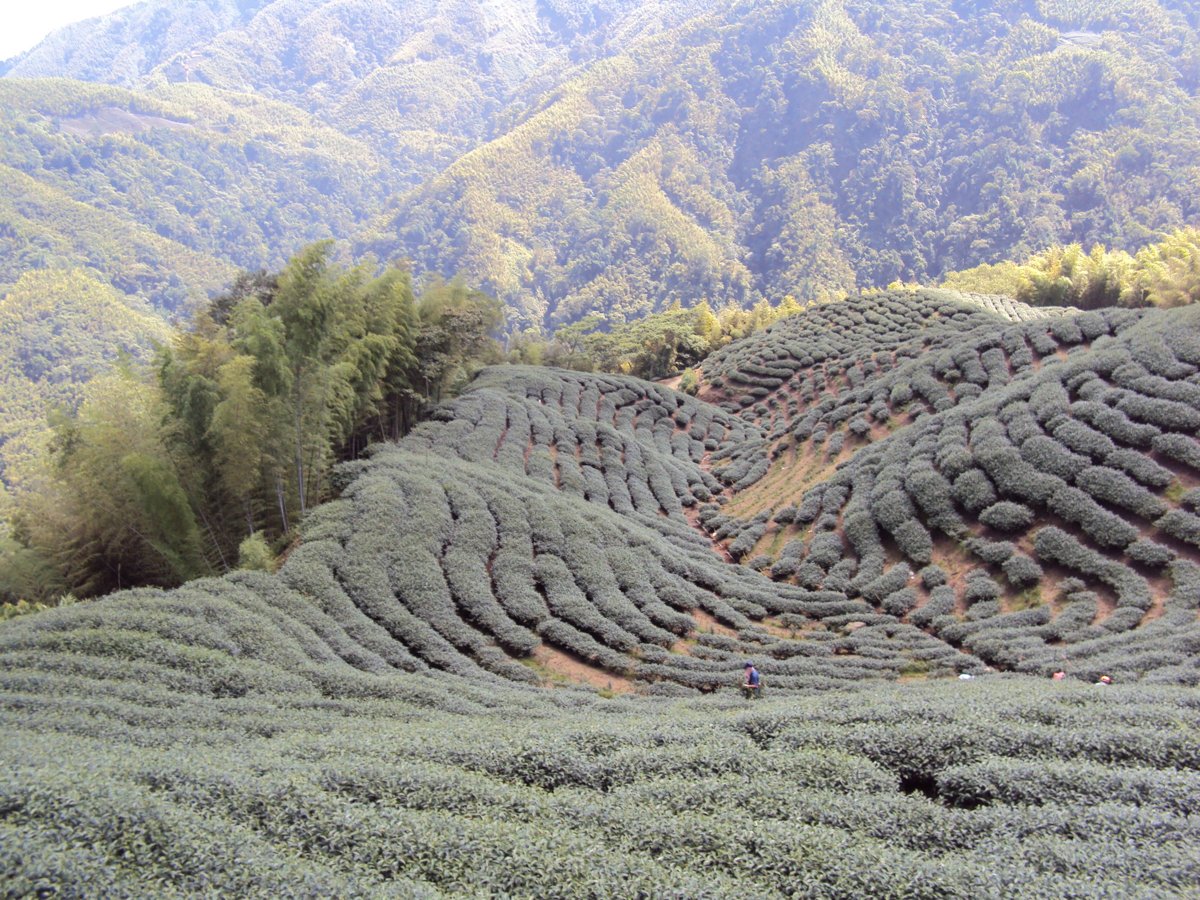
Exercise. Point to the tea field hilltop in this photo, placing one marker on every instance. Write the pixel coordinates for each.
(504, 660)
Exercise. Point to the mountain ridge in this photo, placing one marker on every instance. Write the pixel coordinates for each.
(637, 157)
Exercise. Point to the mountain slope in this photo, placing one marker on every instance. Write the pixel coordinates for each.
(1041, 476)
(617, 158)
(423, 81)
(167, 195)
(772, 149)
(57, 331)
(597, 520)
(121, 47)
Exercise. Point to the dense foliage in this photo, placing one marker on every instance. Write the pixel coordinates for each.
(57, 331)
(156, 479)
(241, 131)
(399, 707)
(252, 778)
(656, 346)
(1042, 458)
(814, 148)
(164, 193)
(1166, 274)
(609, 159)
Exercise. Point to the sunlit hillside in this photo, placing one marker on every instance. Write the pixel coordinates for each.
(343, 552)
(614, 158)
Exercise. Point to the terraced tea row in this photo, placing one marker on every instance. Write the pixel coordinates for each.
(988, 789)
(551, 524)
(627, 444)
(470, 570)
(372, 719)
(1025, 492)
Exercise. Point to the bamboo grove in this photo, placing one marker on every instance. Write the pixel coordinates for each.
(163, 475)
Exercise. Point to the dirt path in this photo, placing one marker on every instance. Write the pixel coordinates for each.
(692, 514)
(572, 668)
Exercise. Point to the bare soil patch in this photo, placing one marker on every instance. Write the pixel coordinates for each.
(692, 514)
(791, 474)
(572, 668)
(956, 563)
(112, 120)
(706, 622)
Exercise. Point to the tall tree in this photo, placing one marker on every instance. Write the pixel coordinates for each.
(158, 479)
(114, 514)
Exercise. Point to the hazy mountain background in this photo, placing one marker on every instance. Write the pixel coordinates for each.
(573, 158)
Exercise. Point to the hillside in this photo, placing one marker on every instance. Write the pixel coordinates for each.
(912, 484)
(613, 157)
(57, 331)
(165, 195)
(244, 131)
(1039, 479)
(773, 148)
(499, 653)
(483, 667)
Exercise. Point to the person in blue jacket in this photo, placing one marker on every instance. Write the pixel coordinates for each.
(751, 683)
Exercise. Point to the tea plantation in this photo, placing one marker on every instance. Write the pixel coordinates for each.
(1022, 486)
(120, 783)
(504, 661)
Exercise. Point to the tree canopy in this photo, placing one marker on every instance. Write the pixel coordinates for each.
(164, 471)
(1164, 274)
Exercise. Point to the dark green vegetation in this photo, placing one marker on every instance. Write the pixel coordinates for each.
(611, 158)
(779, 148)
(58, 330)
(440, 788)
(165, 194)
(1016, 487)
(501, 655)
(656, 346)
(1024, 491)
(160, 476)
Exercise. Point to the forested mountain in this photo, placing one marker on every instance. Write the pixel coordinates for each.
(497, 653)
(57, 331)
(167, 194)
(252, 130)
(771, 149)
(573, 158)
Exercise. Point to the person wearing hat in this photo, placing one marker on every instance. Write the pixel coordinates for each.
(751, 682)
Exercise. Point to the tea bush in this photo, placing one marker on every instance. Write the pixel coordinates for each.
(429, 697)
(1077, 444)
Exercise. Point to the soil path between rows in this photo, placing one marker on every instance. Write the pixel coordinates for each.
(556, 662)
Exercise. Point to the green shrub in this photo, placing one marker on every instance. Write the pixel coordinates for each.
(255, 554)
(1007, 516)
